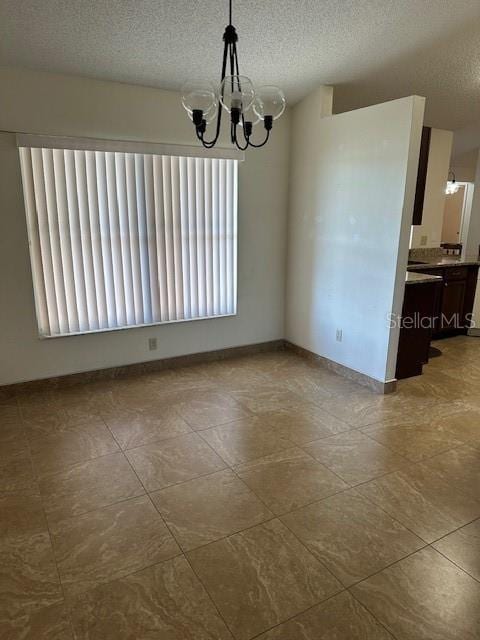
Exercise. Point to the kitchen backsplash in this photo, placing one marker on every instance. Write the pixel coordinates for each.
(425, 252)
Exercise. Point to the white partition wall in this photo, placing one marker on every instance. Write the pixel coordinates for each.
(351, 202)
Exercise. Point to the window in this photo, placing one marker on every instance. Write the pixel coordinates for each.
(122, 238)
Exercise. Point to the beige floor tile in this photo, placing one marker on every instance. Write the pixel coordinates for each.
(305, 423)
(165, 601)
(235, 373)
(364, 407)
(316, 384)
(311, 387)
(9, 413)
(28, 578)
(351, 536)
(465, 424)
(12, 435)
(245, 440)
(339, 618)
(209, 508)
(180, 379)
(415, 442)
(438, 385)
(461, 468)
(433, 415)
(266, 397)
(423, 500)
(169, 462)
(110, 543)
(423, 597)
(21, 515)
(204, 408)
(88, 486)
(45, 414)
(355, 457)
(261, 577)
(65, 448)
(17, 476)
(47, 623)
(463, 548)
(461, 370)
(289, 479)
(150, 424)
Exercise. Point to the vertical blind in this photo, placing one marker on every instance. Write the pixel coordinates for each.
(122, 239)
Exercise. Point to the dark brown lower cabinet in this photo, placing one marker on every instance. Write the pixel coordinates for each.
(455, 303)
(452, 309)
(419, 306)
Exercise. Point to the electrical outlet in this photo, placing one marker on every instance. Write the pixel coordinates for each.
(423, 241)
(339, 335)
(152, 344)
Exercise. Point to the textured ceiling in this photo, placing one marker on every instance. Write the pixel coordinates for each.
(370, 50)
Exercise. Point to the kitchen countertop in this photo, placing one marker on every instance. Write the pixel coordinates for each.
(445, 261)
(420, 278)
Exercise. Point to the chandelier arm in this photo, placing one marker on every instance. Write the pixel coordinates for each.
(257, 146)
(237, 142)
(232, 49)
(235, 53)
(208, 144)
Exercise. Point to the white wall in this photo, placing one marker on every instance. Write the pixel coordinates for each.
(35, 102)
(471, 248)
(351, 203)
(472, 222)
(434, 203)
(464, 165)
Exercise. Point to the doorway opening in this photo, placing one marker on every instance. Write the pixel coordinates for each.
(456, 218)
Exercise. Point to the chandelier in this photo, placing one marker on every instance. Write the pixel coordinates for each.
(236, 95)
(452, 185)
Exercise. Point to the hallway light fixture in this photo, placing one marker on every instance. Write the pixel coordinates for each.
(452, 185)
(236, 95)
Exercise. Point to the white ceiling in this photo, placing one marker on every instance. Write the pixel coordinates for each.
(370, 50)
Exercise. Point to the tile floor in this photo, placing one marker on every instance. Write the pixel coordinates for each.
(260, 497)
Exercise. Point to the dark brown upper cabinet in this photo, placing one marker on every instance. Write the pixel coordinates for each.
(421, 176)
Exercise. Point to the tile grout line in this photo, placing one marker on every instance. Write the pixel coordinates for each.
(300, 613)
(454, 530)
(383, 626)
(348, 488)
(426, 546)
(182, 552)
(453, 561)
(209, 595)
(276, 517)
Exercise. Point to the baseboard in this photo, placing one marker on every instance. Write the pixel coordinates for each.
(360, 378)
(11, 390)
(474, 333)
(59, 382)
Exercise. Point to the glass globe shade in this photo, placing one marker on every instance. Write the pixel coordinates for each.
(269, 101)
(209, 115)
(249, 116)
(452, 187)
(199, 96)
(236, 92)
